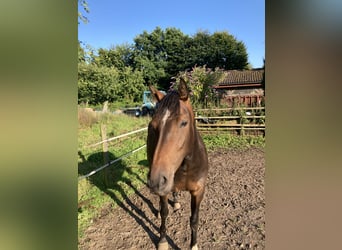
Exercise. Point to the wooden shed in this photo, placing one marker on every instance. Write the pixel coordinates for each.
(242, 87)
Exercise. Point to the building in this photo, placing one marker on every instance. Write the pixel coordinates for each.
(242, 87)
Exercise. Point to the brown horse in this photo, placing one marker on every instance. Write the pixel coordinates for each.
(177, 156)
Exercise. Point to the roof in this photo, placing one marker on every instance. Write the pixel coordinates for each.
(252, 77)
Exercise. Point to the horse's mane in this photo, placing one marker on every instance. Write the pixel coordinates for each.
(169, 102)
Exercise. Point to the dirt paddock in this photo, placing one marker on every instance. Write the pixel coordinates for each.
(232, 214)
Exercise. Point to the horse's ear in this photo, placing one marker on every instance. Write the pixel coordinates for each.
(157, 94)
(183, 90)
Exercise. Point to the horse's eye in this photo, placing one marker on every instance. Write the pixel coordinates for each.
(183, 123)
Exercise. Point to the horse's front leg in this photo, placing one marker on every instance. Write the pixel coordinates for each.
(164, 211)
(196, 198)
(176, 204)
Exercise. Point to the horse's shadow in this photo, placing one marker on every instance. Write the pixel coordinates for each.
(108, 183)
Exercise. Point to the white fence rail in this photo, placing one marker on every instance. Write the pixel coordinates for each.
(118, 159)
(110, 163)
(117, 137)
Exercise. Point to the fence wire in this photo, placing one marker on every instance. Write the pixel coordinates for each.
(110, 163)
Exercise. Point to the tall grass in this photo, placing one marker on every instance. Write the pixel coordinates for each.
(86, 117)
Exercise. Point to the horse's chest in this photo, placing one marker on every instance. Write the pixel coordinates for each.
(181, 178)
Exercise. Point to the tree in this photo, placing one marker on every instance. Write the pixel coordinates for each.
(175, 44)
(85, 9)
(161, 54)
(218, 50)
(149, 55)
(199, 49)
(131, 84)
(119, 57)
(97, 84)
(122, 72)
(81, 53)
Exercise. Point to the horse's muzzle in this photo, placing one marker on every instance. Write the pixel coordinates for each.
(159, 184)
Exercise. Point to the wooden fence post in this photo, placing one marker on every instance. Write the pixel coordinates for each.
(242, 130)
(105, 107)
(105, 153)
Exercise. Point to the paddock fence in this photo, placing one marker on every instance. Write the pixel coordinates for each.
(240, 121)
(113, 142)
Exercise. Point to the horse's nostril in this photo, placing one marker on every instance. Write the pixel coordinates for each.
(157, 181)
(162, 181)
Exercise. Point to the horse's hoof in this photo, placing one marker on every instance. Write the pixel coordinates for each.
(194, 247)
(176, 206)
(163, 245)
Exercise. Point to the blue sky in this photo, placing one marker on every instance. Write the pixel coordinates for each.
(117, 22)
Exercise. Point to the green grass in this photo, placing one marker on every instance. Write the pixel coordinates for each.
(93, 192)
(226, 140)
(129, 174)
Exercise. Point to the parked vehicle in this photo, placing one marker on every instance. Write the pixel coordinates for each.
(149, 105)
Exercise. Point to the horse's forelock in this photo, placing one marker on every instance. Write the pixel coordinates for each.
(169, 102)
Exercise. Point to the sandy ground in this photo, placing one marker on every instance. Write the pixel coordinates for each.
(232, 214)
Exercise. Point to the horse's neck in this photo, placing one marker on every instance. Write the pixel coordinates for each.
(196, 136)
(196, 139)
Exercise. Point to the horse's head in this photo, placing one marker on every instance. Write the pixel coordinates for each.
(170, 137)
